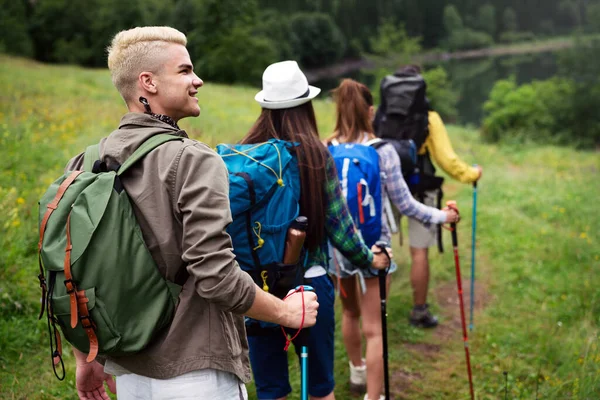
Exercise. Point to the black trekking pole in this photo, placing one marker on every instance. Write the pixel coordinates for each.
(382, 274)
(452, 204)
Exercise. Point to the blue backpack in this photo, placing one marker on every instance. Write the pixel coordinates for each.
(360, 179)
(264, 193)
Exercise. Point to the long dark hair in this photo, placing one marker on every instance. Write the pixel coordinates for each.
(299, 125)
(352, 100)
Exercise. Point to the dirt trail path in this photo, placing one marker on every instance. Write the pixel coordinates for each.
(444, 339)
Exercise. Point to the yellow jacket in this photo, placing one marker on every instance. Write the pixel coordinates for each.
(442, 153)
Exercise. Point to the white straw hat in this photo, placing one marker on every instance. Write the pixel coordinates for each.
(285, 86)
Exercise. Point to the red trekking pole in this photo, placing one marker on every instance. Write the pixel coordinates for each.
(452, 204)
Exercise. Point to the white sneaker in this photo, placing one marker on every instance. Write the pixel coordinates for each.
(358, 377)
(382, 397)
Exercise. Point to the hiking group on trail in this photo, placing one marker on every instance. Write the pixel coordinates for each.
(184, 271)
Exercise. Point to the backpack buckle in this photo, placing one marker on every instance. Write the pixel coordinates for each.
(70, 285)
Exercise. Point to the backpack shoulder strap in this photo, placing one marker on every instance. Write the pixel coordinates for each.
(92, 153)
(375, 143)
(146, 148)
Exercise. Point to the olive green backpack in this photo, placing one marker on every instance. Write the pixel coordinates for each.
(99, 282)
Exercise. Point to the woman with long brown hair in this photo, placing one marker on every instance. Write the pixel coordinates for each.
(354, 110)
(287, 114)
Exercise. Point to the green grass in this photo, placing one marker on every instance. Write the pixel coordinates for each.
(538, 248)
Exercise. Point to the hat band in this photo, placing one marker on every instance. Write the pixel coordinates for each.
(299, 97)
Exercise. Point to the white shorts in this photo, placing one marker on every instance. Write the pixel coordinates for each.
(197, 385)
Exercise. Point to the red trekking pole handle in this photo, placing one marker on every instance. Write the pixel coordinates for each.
(452, 205)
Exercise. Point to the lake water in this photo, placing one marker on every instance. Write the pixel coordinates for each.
(473, 79)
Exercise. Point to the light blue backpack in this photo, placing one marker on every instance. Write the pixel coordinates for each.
(264, 193)
(360, 179)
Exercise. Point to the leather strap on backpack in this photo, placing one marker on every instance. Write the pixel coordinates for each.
(87, 324)
(79, 301)
(69, 284)
(53, 205)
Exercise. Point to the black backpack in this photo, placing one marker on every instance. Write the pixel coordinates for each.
(402, 120)
(402, 116)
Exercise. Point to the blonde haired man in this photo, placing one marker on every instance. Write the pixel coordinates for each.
(179, 192)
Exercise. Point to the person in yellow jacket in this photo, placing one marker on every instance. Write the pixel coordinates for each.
(421, 237)
(404, 113)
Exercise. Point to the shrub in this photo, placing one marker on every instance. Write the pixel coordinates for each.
(441, 95)
(466, 38)
(276, 27)
(392, 39)
(315, 39)
(593, 17)
(514, 37)
(240, 58)
(537, 111)
(14, 38)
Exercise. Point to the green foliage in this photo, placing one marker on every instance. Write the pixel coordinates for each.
(486, 19)
(466, 38)
(516, 37)
(460, 37)
(544, 257)
(568, 13)
(452, 19)
(78, 31)
(186, 14)
(392, 39)
(593, 17)
(560, 110)
(315, 39)
(276, 27)
(224, 42)
(442, 97)
(509, 20)
(240, 57)
(547, 28)
(527, 112)
(14, 38)
(581, 64)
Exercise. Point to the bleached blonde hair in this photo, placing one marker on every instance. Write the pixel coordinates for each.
(136, 50)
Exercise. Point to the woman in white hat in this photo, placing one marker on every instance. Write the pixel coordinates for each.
(287, 114)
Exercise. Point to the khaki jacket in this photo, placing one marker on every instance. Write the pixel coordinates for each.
(180, 195)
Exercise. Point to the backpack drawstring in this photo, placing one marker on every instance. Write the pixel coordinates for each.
(244, 153)
(264, 275)
(257, 229)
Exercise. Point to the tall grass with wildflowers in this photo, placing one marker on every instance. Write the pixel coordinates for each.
(538, 248)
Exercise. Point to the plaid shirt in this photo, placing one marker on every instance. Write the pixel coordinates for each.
(339, 226)
(394, 186)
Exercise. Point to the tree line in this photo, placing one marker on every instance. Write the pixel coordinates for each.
(232, 41)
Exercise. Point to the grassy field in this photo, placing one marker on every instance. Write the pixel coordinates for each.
(538, 257)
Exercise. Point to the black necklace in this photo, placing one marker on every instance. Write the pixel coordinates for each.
(161, 117)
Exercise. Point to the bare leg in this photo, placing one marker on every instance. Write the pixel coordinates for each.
(419, 275)
(351, 320)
